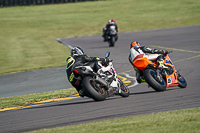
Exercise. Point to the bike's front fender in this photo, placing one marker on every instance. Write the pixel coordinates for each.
(172, 80)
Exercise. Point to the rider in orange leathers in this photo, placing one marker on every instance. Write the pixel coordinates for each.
(154, 55)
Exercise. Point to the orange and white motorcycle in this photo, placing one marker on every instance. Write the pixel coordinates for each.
(159, 78)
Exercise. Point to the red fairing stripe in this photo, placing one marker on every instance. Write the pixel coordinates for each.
(139, 56)
(153, 59)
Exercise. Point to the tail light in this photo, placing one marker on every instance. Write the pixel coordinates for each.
(75, 71)
(77, 82)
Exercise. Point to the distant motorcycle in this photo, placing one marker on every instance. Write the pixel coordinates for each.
(111, 36)
(99, 87)
(158, 78)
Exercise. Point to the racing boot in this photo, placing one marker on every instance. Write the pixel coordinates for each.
(81, 93)
(140, 79)
(110, 92)
(161, 63)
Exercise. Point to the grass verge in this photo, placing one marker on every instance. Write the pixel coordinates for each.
(37, 97)
(28, 34)
(180, 121)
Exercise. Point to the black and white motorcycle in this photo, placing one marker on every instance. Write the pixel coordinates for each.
(100, 86)
(112, 36)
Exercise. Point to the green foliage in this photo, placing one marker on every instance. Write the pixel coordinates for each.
(28, 34)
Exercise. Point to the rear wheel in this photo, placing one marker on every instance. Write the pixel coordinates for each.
(93, 89)
(112, 41)
(150, 77)
(125, 92)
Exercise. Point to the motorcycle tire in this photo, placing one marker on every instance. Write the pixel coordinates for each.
(112, 41)
(116, 38)
(151, 79)
(125, 92)
(182, 82)
(92, 91)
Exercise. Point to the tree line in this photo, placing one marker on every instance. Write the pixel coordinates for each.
(9, 3)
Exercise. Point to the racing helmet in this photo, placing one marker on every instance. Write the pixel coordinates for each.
(77, 51)
(113, 20)
(135, 44)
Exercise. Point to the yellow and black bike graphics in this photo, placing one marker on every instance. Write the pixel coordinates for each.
(70, 62)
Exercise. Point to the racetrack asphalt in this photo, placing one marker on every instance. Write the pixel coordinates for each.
(184, 41)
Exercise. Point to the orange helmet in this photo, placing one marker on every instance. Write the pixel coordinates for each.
(135, 44)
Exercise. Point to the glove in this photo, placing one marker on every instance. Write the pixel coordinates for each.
(105, 62)
(165, 51)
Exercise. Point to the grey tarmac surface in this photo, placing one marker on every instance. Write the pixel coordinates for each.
(35, 81)
(143, 100)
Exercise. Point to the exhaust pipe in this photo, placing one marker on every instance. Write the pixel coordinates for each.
(102, 81)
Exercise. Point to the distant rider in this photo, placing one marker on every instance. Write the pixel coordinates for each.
(106, 28)
(138, 51)
(78, 58)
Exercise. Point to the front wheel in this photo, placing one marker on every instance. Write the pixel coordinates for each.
(150, 77)
(181, 81)
(124, 92)
(94, 89)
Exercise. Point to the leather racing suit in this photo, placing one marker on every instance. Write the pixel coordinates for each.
(153, 55)
(106, 29)
(81, 60)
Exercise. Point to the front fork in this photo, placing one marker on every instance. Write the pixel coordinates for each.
(159, 75)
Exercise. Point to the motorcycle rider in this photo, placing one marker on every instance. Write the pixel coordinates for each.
(106, 28)
(78, 58)
(138, 51)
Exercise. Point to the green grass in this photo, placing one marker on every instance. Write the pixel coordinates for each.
(37, 97)
(28, 34)
(180, 121)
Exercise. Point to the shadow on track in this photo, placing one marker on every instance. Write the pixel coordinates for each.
(62, 104)
(89, 100)
(148, 92)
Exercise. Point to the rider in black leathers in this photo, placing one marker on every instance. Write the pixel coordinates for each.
(107, 27)
(78, 58)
